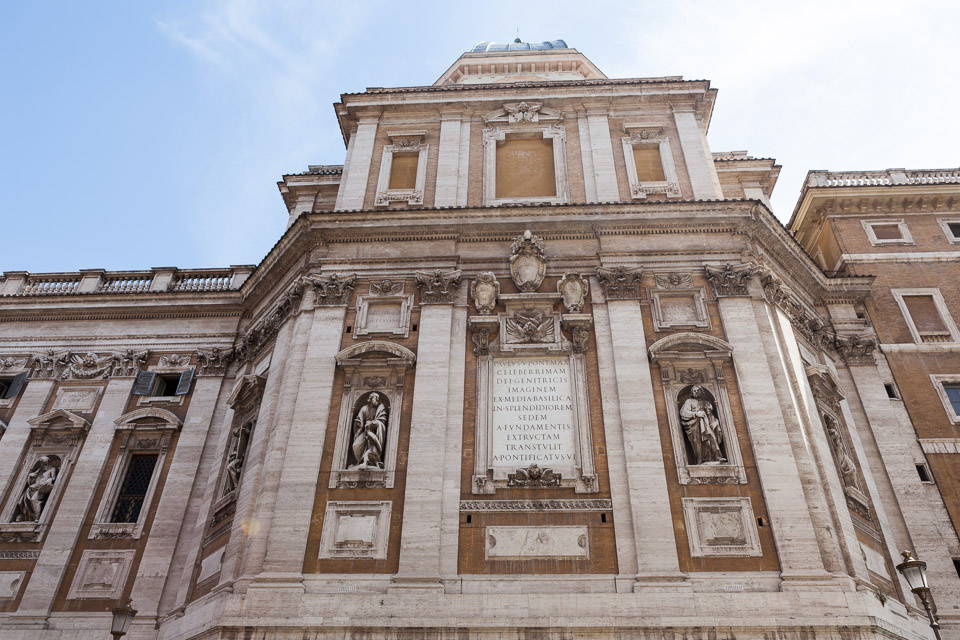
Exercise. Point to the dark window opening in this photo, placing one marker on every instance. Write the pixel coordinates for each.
(414, 327)
(955, 231)
(760, 521)
(956, 565)
(151, 383)
(891, 392)
(10, 387)
(133, 491)
(469, 518)
(349, 328)
(924, 473)
(953, 395)
(603, 517)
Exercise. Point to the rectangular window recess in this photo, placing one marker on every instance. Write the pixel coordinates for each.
(891, 391)
(953, 395)
(525, 167)
(956, 565)
(10, 387)
(887, 231)
(649, 166)
(133, 491)
(151, 383)
(924, 473)
(403, 171)
(955, 231)
(760, 521)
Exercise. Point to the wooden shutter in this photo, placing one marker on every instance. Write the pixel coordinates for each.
(15, 385)
(144, 384)
(183, 386)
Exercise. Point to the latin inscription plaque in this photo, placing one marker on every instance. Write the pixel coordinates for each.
(533, 420)
(384, 317)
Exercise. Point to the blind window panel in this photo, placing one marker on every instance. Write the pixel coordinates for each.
(525, 168)
(887, 231)
(649, 166)
(924, 313)
(403, 171)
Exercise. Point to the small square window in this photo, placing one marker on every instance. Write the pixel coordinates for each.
(953, 395)
(923, 472)
(881, 232)
(891, 391)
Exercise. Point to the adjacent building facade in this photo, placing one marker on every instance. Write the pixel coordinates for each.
(533, 362)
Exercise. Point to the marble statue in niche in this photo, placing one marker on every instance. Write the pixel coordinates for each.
(241, 437)
(40, 482)
(698, 416)
(844, 461)
(369, 434)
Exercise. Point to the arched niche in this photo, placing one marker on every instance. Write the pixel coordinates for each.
(689, 360)
(144, 437)
(57, 436)
(373, 366)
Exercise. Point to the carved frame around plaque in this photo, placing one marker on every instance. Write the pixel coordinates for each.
(373, 366)
(695, 359)
(384, 295)
(58, 434)
(530, 330)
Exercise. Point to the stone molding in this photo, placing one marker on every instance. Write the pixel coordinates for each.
(620, 283)
(69, 365)
(536, 505)
(438, 287)
(712, 532)
(730, 280)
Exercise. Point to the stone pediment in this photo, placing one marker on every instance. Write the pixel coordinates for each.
(378, 347)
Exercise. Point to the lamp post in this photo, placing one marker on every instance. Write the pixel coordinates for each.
(915, 572)
(122, 617)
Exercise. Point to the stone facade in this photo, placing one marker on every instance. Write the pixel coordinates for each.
(533, 362)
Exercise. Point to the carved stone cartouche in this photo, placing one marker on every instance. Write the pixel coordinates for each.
(573, 289)
(485, 290)
(528, 262)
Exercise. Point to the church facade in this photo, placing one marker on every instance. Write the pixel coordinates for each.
(534, 362)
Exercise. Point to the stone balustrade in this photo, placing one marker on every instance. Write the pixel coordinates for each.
(98, 281)
(882, 178)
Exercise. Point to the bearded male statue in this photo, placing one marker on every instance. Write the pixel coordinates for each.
(702, 427)
(369, 433)
(33, 499)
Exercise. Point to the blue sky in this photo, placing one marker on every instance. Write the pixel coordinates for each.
(143, 134)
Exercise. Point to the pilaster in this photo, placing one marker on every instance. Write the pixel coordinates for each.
(604, 170)
(158, 555)
(750, 331)
(448, 161)
(257, 500)
(696, 156)
(74, 504)
(422, 533)
(357, 173)
(921, 504)
(301, 464)
(655, 543)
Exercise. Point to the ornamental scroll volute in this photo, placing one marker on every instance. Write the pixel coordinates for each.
(528, 262)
